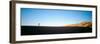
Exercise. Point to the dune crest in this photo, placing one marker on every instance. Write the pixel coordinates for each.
(82, 24)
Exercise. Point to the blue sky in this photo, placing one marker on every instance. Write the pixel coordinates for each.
(53, 17)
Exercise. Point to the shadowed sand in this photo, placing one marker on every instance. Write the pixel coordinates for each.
(39, 30)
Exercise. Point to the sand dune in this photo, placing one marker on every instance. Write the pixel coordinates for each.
(41, 30)
(82, 24)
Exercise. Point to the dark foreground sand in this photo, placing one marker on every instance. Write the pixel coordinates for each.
(39, 30)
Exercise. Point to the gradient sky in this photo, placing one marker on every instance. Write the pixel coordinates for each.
(53, 17)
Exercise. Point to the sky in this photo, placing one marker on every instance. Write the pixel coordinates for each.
(53, 17)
